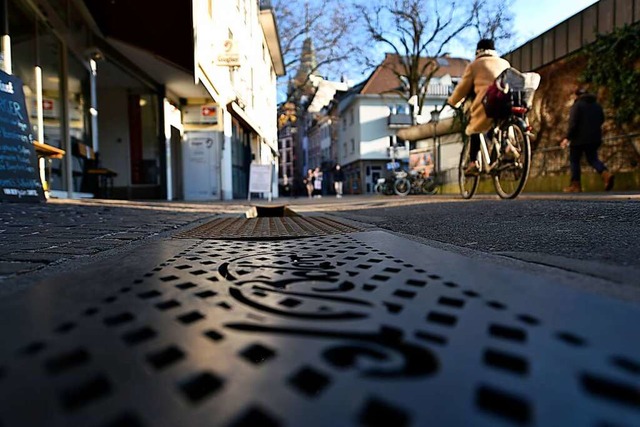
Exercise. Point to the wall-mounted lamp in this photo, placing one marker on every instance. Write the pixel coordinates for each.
(94, 53)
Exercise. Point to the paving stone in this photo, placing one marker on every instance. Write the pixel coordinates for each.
(68, 250)
(33, 257)
(8, 268)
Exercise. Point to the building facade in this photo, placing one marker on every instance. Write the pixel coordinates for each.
(177, 102)
(371, 114)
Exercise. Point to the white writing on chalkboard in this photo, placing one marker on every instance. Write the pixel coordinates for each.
(11, 107)
(9, 183)
(6, 87)
(19, 193)
(19, 177)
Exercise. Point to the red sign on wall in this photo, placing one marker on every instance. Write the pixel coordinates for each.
(208, 111)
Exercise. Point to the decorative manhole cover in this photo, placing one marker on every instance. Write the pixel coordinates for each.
(346, 330)
(268, 228)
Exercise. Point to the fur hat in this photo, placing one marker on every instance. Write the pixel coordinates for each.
(485, 44)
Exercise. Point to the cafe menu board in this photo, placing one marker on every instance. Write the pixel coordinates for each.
(19, 174)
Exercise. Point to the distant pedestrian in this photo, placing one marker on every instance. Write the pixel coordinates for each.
(308, 182)
(585, 136)
(317, 183)
(338, 179)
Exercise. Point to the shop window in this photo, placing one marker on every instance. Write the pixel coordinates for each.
(37, 46)
(143, 139)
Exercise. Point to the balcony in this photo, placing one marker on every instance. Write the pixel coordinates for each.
(399, 120)
(439, 91)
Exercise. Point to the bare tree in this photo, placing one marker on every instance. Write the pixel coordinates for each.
(494, 20)
(418, 32)
(328, 25)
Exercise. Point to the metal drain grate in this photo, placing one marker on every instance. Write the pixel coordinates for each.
(268, 228)
(359, 329)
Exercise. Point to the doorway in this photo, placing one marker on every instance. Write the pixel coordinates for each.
(176, 164)
(201, 165)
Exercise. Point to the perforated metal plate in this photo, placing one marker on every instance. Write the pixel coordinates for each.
(359, 329)
(268, 228)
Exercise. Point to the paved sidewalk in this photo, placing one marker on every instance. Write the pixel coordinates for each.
(43, 238)
(35, 236)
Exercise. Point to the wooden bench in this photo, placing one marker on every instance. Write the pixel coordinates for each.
(91, 170)
(47, 152)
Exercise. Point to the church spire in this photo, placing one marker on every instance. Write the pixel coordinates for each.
(307, 21)
(308, 61)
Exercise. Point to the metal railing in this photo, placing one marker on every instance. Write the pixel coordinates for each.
(439, 90)
(619, 153)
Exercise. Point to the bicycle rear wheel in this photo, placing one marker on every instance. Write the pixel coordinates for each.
(468, 183)
(402, 186)
(512, 172)
(429, 186)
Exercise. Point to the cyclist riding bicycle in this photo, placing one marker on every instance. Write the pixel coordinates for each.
(477, 77)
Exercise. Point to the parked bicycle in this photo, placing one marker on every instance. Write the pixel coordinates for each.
(415, 182)
(505, 155)
(386, 186)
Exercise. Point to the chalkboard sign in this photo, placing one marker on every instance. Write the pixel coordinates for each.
(19, 175)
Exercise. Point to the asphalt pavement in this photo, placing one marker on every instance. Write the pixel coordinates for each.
(559, 230)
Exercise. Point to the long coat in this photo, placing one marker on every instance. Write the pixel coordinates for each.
(477, 77)
(585, 121)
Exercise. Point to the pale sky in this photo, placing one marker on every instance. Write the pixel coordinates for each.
(531, 18)
(534, 17)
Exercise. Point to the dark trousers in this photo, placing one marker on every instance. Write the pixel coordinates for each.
(475, 143)
(474, 147)
(575, 154)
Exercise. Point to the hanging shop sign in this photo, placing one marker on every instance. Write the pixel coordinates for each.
(19, 174)
(200, 114)
(229, 57)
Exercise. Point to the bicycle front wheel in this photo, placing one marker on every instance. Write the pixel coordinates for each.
(402, 186)
(512, 172)
(468, 183)
(429, 186)
(378, 189)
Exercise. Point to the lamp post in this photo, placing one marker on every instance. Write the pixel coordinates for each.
(435, 116)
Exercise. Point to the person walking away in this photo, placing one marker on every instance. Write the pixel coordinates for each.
(308, 183)
(317, 182)
(584, 135)
(477, 77)
(338, 179)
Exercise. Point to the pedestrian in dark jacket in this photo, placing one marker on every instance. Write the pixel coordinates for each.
(584, 135)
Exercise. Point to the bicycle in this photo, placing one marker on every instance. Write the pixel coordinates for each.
(387, 186)
(415, 183)
(506, 156)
